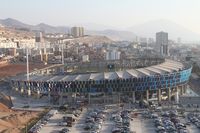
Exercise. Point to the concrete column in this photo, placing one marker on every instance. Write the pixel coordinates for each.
(119, 98)
(49, 96)
(74, 97)
(185, 89)
(41, 56)
(181, 89)
(147, 95)
(141, 95)
(38, 94)
(53, 70)
(48, 71)
(29, 92)
(176, 95)
(159, 95)
(133, 96)
(61, 99)
(169, 94)
(42, 72)
(22, 90)
(89, 98)
(69, 97)
(104, 98)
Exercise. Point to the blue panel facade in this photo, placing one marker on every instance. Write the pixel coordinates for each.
(117, 85)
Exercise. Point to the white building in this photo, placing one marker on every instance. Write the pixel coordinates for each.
(8, 44)
(85, 58)
(24, 43)
(113, 55)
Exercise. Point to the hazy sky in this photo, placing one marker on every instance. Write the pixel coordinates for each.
(116, 13)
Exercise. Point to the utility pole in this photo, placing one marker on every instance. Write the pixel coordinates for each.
(62, 54)
(45, 54)
(26, 128)
(27, 70)
(62, 42)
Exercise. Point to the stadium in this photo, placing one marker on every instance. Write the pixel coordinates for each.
(160, 80)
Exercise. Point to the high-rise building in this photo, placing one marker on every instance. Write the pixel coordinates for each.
(81, 31)
(77, 31)
(38, 37)
(179, 40)
(162, 42)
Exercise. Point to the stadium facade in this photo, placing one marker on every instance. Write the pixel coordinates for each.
(168, 78)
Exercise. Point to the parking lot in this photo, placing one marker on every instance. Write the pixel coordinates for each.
(194, 119)
(115, 119)
(119, 120)
(141, 125)
(52, 125)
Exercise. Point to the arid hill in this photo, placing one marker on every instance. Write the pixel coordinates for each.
(16, 33)
(93, 39)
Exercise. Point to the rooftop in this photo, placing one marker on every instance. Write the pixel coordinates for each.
(168, 66)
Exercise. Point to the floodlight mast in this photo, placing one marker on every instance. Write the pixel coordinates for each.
(27, 64)
(27, 69)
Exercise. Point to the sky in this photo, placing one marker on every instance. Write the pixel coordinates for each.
(115, 13)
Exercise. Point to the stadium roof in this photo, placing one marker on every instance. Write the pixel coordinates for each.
(168, 66)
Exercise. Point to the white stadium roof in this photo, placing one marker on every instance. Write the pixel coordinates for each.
(168, 66)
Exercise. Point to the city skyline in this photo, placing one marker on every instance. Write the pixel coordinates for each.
(113, 13)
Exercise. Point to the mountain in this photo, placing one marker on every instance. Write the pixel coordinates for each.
(94, 26)
(13, 23)
(116, 35)
(147, 29)
(51, 29)
(9, 22)
(90, 29)
(174, 30)
(17, 34)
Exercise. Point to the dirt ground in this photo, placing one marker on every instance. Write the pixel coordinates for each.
(13, 121)
(13, 69)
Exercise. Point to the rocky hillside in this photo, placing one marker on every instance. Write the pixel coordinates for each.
(93, 39)
(15, 33)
